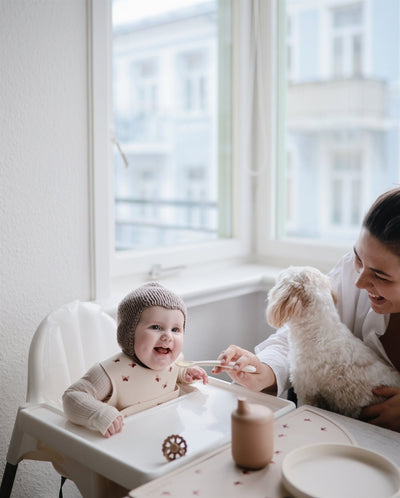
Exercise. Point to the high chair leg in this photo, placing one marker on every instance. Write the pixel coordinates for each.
(8, 480)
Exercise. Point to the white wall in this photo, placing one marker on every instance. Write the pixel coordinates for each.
(44, 258)
(213, 327)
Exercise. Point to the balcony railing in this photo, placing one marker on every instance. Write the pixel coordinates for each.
(166, 219)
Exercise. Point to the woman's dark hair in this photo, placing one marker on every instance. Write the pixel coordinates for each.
(383, 220)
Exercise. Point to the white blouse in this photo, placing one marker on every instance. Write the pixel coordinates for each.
(355, 311)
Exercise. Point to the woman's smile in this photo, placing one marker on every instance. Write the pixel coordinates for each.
(379, 273)
(376, 299)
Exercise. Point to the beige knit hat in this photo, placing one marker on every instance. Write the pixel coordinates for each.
(132, 306)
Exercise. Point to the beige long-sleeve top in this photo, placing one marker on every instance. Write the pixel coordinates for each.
(118, 386)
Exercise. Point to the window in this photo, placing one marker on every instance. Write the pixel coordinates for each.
(167, 152)
(183, 148)
(166, 109)
(266, 136)
(345, 182)
(338, 117)
(195, 72)
(347, 40)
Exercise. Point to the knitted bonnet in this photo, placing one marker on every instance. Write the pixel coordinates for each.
(131, 307)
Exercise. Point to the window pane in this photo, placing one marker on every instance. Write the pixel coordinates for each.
(342, 114)
(166, 65)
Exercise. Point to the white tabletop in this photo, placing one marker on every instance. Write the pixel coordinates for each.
(369, 436)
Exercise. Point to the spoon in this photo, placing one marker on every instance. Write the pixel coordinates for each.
(214, 363)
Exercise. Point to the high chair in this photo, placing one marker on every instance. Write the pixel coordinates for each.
(65, 345)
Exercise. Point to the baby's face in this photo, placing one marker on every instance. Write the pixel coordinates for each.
(159, 337)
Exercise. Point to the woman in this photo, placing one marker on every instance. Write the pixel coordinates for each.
(367, 283)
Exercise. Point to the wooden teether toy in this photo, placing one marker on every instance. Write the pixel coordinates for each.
(174, 447)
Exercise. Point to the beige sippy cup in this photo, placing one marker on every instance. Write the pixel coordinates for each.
(252, 435)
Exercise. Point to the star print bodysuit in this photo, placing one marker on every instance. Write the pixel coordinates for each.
(118, 386)
(135, 388)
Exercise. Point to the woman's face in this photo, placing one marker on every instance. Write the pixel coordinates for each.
(378, 271)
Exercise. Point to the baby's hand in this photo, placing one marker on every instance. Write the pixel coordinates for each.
(115, 427)
(196, 373)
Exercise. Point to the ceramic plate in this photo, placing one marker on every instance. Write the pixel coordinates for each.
(339, 471)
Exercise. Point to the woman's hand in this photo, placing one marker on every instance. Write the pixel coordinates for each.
(196, 373)
(115, 427)
(386, 413)
(263, 377)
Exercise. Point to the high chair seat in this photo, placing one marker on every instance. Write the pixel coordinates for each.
(65, 345)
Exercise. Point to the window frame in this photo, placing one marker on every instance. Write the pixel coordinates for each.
(107, 265)
(272, 248)
(256, 181)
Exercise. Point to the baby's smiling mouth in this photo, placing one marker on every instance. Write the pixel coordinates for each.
(162, 350)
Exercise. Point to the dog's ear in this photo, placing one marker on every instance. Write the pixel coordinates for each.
(281, 311)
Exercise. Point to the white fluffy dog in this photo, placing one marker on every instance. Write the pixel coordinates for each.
(329, 366)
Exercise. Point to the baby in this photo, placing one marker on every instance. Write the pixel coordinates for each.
(151, 325)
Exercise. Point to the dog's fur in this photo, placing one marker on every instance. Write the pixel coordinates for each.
(329, 366)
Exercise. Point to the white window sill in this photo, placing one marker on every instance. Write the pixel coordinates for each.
(202, 285)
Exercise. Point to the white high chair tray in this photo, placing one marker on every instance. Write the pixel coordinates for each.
(202, 416)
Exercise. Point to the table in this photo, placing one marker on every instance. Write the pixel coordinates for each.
(216, 475)
(369, 436)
